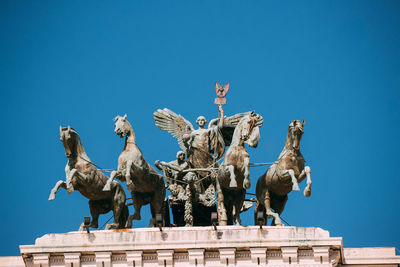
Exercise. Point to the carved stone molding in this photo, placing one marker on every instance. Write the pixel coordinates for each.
(165, 257)
(134, 258)
(227, 256)
(103, 259)
(258, 255)
(196, 256)
(41, 260)
(72, 259)
(289, 254)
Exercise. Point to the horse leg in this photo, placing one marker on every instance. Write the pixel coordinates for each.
(307, 172)
(137, 204)
(269, 212)
(238, 206)
(95, 210)
(222, 216)
(156, 205)
(129, 183)
(246, 181)
(68, 181)
(231, 170)
(229, 212)
(107, 186)
(279, 208)
(55, 189)
(119, 199)
(294, 180)
(256, 207)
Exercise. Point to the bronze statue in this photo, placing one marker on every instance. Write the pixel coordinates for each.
(233, 175)
(82, 175)
(283, 176)
(146, 185)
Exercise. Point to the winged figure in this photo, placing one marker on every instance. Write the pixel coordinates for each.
(202, 146)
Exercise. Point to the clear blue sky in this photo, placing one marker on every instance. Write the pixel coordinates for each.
(335, 64)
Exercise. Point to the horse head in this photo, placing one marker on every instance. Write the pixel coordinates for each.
(250, 132)
(295, 133)
(68, 136)
(122, 126)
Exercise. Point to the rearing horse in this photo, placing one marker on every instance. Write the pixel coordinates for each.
(283, 176)
(146, 185)
(82, 175)
(233, 175)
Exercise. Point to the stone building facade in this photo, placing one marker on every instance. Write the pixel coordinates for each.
(198, 246)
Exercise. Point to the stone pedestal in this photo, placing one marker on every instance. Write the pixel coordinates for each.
(201, 246)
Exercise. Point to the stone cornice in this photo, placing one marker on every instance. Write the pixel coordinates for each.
(199, 246)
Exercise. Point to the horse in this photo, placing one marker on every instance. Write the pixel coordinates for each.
(82, 175)
(282, 177)
(145, 183)
(233, 174)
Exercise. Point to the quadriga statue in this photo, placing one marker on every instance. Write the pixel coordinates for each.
(82, 175)
(145, 183)
(283, 176)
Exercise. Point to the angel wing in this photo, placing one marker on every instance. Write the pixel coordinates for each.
(230, 123)
(234, 120)
(176, 125)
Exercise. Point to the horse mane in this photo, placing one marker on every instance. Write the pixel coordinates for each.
(254, 135)
(289, 142)
(236, 132)
(80, 151)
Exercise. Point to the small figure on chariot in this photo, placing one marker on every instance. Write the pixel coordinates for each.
(174, 176)
(183, 187)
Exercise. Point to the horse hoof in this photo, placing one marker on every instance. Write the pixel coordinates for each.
(307, 193)
(130, 186)
(111, 226)
(246, 184)
(107, 187)
(52, 196)
(128, 224)
(296, 187)
(95, 226)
